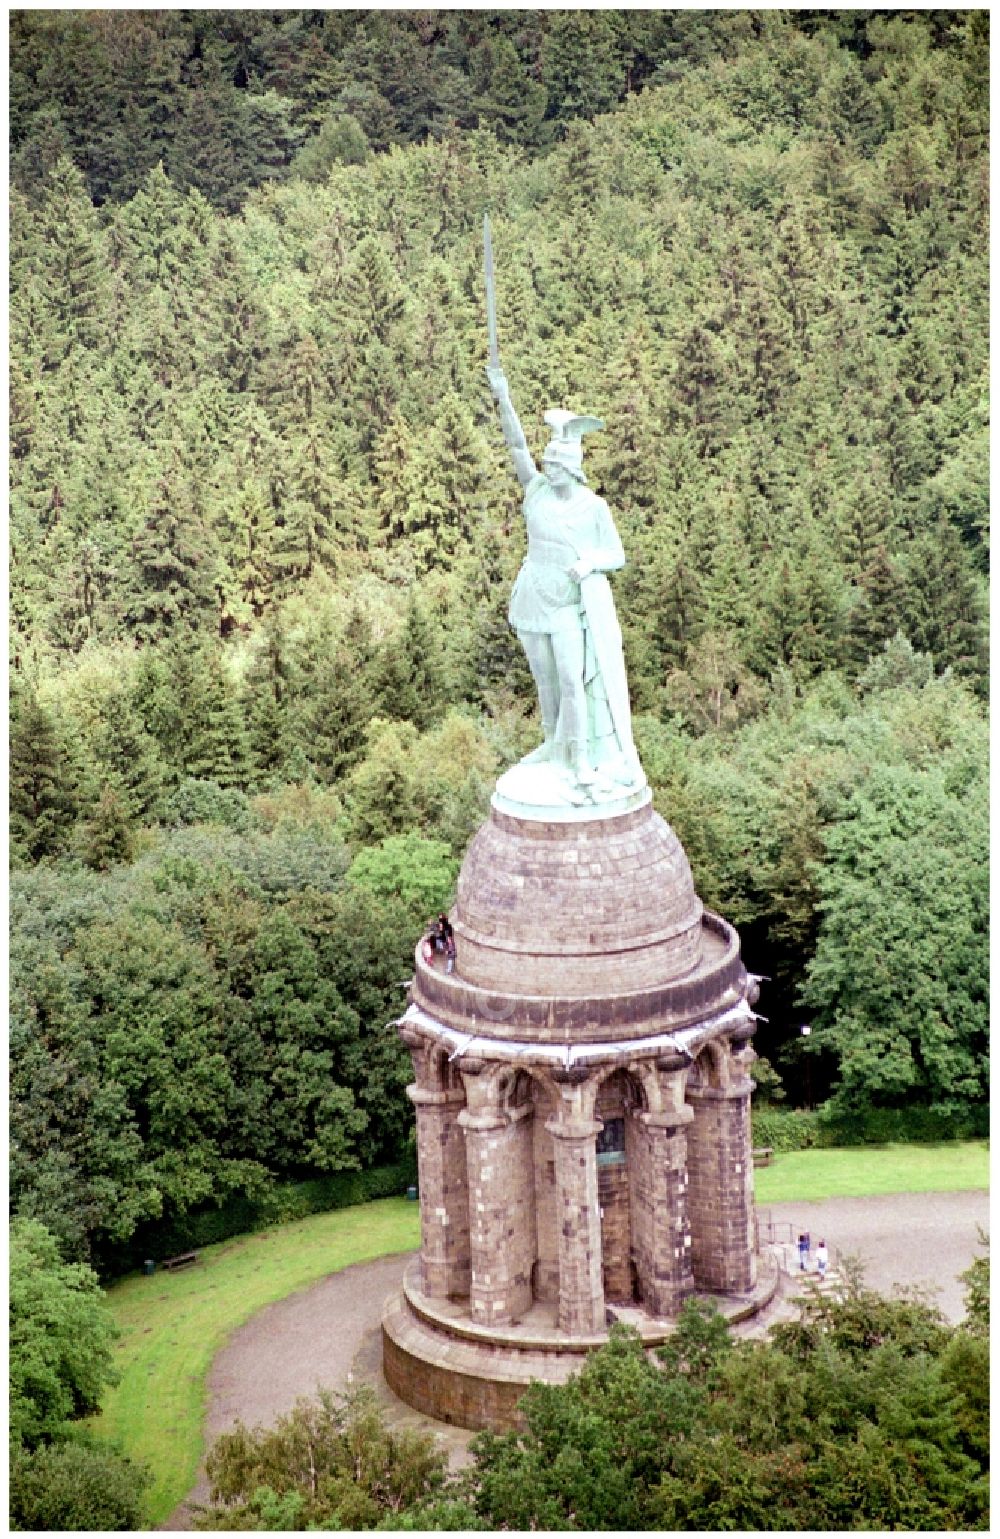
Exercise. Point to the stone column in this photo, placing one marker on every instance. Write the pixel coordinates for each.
(668, 1278)
(444, 1193)
(501, 1211)
(720, 1190)
(581, 1288)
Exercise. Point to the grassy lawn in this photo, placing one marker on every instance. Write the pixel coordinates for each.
(174, 1323)
(809, 1175)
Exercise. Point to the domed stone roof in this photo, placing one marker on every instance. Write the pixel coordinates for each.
(585, 908)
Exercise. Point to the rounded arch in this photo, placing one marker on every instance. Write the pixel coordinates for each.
(709, 1069)
(514, 1087)
(443, 1074)
(543, 1091)
(633, 1090)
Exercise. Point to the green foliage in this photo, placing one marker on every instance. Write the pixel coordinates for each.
(205, 801)
(780, 1130)
(246, 1212)
(898, 983)
(41, 801)
(841, 1126)
(850, 1418)
(107, 837)
(977, 1292)
(330, 1463)
(179, 1031)
(61, 1337)
(262, 536)
(420, 871)
(75, 1487)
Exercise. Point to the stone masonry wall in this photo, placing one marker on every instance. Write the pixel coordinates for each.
(501, 1216)
(720, 1190)
(590, 908)
(546, 1275)
(444, 1194)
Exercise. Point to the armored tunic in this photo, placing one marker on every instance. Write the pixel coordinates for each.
(560, 531)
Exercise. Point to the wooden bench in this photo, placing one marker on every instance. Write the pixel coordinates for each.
(763, 1156)
(187, 1258)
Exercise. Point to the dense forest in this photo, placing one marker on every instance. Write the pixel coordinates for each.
(263, 531)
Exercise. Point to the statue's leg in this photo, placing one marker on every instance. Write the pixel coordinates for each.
(538, 650)
(568, 649)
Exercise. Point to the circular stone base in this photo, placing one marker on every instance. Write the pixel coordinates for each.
(548, 793)
(436, 1361)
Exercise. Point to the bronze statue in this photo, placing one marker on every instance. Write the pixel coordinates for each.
(561, 604)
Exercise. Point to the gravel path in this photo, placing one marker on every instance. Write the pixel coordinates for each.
(290, 1349)
(921, 1239)
(330, 1331)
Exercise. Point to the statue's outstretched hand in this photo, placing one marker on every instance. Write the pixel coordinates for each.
(497, 379)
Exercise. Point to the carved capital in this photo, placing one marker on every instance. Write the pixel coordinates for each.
(422, 1097)
(678, 1118)
(481, 1122)
(573, 1129)
(736, 1090)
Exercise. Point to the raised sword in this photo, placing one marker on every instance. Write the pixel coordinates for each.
(491, 298)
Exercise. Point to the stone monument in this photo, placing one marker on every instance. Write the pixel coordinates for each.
(581, 1078)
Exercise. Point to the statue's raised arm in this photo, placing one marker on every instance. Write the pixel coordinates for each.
(513, 432)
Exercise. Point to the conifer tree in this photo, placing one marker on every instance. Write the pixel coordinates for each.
(374, 298)
(172, 581)
(513, 102)
(942, 604)
(265, 701)
(699, 387)
(128, 759)
(45, 143)
(410, 670)
(218, 746)
(412, 503)
(75, 281)
(581, 81)
(342, 701)
(876, 606)
(306, 529)
(254, 563)
(106, 837)
(41, 799)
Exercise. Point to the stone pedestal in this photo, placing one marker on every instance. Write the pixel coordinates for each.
(582, 1107)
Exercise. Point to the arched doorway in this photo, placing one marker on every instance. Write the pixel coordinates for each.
(617, 1100)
